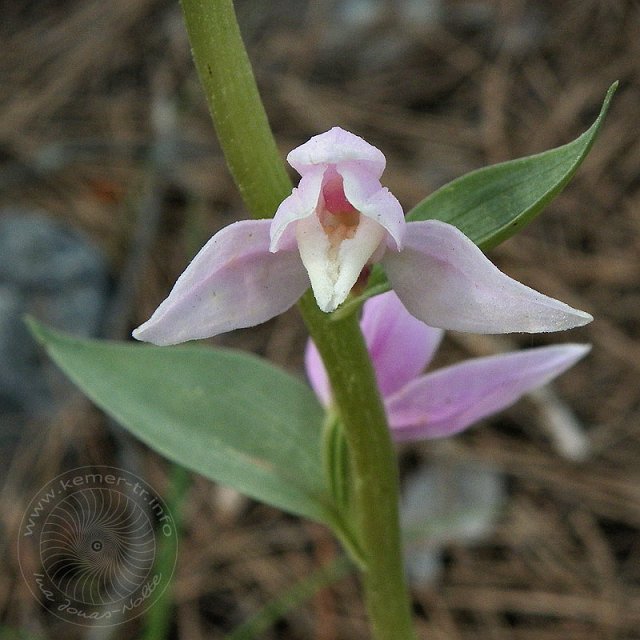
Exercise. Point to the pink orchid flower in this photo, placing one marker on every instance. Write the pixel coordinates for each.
(339, 220)
(447, 401)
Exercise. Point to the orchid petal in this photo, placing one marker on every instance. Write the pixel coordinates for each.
(447, 401)
(335, 146)
(317, 374)
(302, 203)
(446, 281)
(365, 193)
(400, 345)
(334, 267)
(233, 282)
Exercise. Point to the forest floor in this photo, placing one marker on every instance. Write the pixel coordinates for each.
(455, 86)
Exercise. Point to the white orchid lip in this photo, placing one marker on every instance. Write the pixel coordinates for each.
(335, 257)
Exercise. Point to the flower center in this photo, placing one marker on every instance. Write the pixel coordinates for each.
(336, 242)
(338, 217)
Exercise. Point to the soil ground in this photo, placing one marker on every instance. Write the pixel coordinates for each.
(461, 84)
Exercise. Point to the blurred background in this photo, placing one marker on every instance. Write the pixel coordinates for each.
(111, 179)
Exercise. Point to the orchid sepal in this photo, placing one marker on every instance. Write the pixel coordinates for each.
(446, 281)
(449, 400)
(234, 281)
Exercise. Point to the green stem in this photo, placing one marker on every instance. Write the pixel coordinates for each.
(259, 172)
(374, 470)
(234, 102)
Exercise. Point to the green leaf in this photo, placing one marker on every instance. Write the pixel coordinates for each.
(489, 205)
(226, 414)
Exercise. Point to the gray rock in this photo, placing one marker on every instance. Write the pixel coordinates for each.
(20, 386)
(444, 504)
(52, 272)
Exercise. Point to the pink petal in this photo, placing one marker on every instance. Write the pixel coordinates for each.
(302, 203)
(364, 191)
(233, 282)
(446, 281)
(400, 345)
(334, 146)
(335, 201)
(446, 402)
(317, 374)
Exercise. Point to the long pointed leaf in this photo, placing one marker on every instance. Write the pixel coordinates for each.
(226, 414)
(489, 205)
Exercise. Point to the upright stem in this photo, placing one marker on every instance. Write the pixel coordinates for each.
(259, 172)
(235, 105)
(374, 469)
